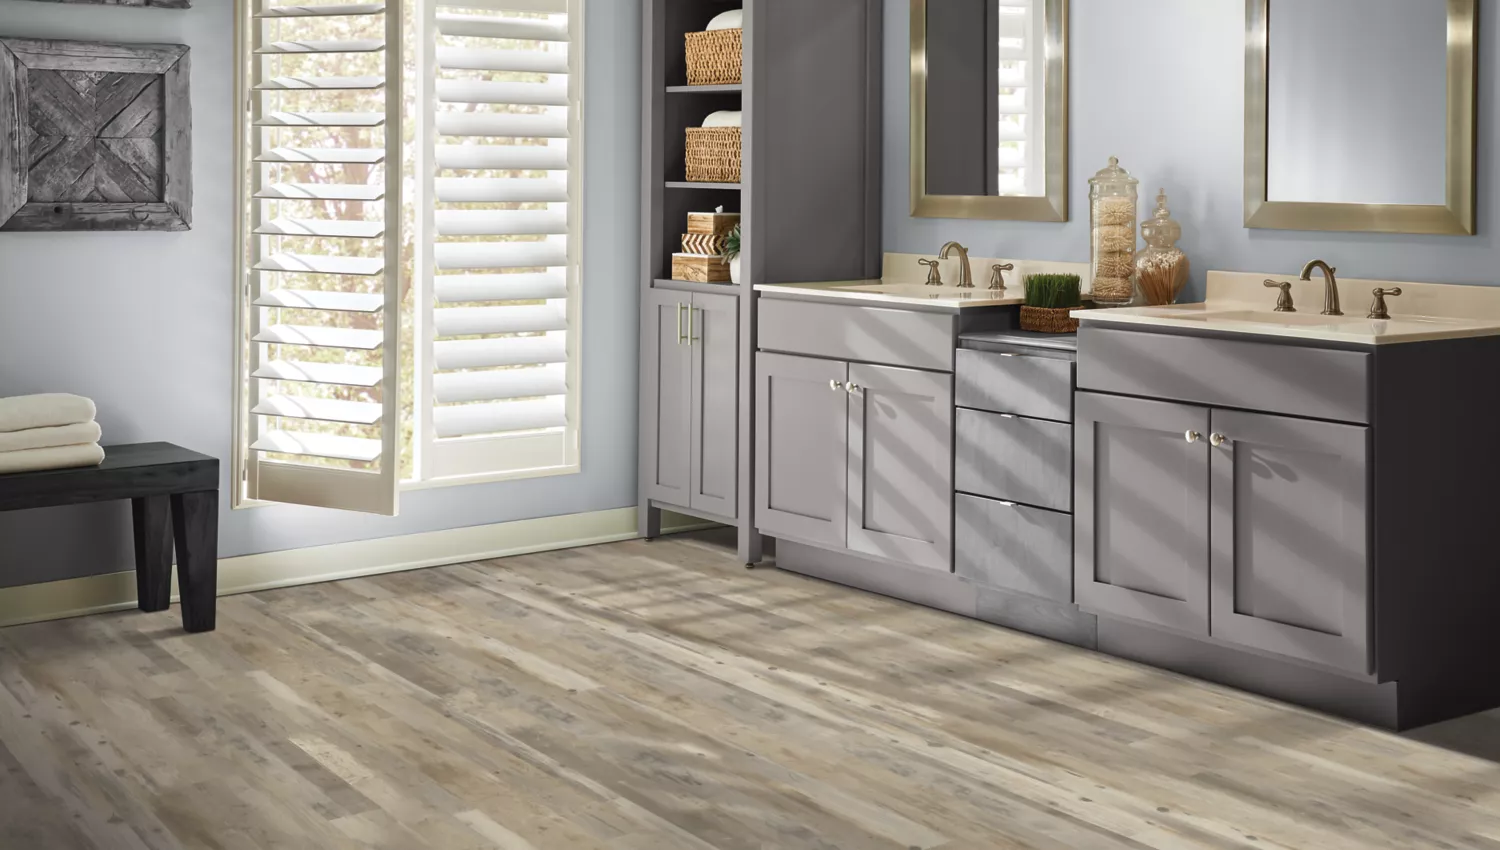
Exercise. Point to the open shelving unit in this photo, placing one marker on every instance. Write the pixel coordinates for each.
(809, 203)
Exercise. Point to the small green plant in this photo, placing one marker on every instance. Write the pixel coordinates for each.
(1053, 291)
(732, 244)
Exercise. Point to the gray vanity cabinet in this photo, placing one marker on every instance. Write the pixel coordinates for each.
(692, 364)
(667, 396)
(1141, 505)
(1290, 521)
(901, 464)
(856, 456)
(801, 448)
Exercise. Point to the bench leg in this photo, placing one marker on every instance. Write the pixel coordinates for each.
(152, 521)
(195, 518)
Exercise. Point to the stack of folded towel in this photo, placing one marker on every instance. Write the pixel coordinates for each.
(49, 431)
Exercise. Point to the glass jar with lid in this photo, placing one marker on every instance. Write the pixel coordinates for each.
(1113, 209)
(1162, 268)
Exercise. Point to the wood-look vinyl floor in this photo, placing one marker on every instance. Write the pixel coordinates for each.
(656, 696)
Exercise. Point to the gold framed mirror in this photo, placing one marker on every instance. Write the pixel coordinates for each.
(989, 109)
(1361, 119)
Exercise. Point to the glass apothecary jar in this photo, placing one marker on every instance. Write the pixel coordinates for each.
(1113, 210)
(1161, 269)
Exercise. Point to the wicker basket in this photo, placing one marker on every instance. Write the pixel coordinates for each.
(714, 58)
(713, 154)
(1048, 320)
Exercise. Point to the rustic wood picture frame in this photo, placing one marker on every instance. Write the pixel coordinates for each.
(94, 136)
(155, 4)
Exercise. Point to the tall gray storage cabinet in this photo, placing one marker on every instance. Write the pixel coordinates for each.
(809, 202)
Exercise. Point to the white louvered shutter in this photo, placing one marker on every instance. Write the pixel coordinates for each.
(1022, 126)
(322, 254)
(498, 220)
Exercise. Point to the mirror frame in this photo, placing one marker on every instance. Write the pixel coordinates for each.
(1053, 206)
(1454, 218)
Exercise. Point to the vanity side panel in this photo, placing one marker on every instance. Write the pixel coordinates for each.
(1297, 380)
(1434, 534)
(816, 165)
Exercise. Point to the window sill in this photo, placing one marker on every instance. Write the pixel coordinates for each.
(413, 485)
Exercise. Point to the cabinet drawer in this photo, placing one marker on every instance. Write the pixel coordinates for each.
(1318, 383)
(1040, 387)
(1018, 460)
(866, 334)
(1015, 547)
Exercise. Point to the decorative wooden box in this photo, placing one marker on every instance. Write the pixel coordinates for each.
(703, 243)
(713, 223)
(701, 268)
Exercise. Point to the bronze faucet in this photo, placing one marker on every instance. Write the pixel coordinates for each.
(1378, 310)
(965, 273)
(1330, 286)
(997, 275)
(1284, 300)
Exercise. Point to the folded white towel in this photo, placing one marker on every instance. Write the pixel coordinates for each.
(48, 410)
(58, 457)
(731, 20)
(724, 118)
(47, 438)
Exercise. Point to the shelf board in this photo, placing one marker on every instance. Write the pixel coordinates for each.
(734, 88)
(696, 286)
(683, 184)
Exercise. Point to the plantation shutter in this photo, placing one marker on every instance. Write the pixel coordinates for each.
(498, 254)
(322, 255)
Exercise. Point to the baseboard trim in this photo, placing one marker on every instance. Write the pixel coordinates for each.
(245, 574)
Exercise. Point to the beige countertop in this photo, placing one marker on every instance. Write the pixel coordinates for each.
(1240, 304)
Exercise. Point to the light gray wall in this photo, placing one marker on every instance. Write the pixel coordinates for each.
(143, 323)
(1160, 84)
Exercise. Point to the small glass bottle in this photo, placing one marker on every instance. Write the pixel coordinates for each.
(1161, 269)
(1113, 211)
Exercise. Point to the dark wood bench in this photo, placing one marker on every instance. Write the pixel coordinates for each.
(171, 490)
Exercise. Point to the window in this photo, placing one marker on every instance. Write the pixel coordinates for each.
(1022, 126)
(410, 223)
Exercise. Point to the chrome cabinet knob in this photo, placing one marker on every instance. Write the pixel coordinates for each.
(1217, 440)
(835, 385)
(854, 388)
(1193, 436)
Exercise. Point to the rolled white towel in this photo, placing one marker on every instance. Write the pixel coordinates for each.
(732, 20)
(724, 118)
(59, 457)
(48, 410)
(47, 438)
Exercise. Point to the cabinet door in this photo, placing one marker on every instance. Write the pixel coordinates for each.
(666, 397)
(1291, 566)
(1141, 505)
(901, 465)
(714, 339)
(801, 448)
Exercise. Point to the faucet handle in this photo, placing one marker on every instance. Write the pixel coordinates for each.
(934, 273)
(1378, 309)
(1284, 300)
(997, 275)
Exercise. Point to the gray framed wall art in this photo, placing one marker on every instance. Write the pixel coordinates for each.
(94, 136)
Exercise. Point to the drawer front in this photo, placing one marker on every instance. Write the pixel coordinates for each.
(1313, 382)
(1018, 460)
(1010, 546)
(1040, 387)
(865, 334)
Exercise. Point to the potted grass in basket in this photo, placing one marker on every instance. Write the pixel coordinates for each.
(1050, 302)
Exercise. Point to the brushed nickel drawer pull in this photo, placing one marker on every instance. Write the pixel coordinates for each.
(1193, 436)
